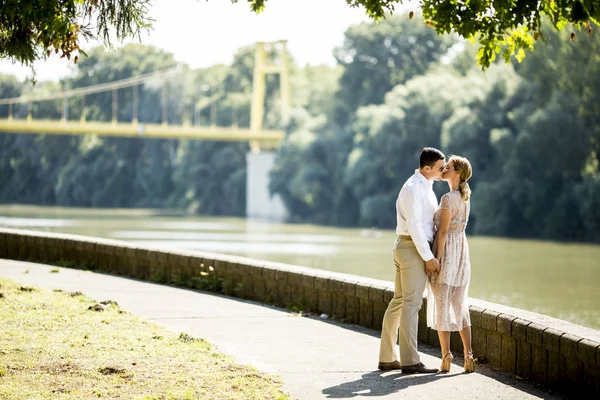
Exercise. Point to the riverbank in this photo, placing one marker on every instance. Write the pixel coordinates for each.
(524, 274)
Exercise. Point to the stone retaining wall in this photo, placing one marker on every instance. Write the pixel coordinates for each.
(531, 346)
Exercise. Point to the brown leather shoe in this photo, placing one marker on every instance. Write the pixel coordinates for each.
(418, 369)
(388, 366)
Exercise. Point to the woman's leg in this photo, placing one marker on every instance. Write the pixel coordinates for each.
(465, 335)
(444, 342)
(446, 355)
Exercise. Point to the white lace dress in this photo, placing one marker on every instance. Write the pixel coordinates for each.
(447, 304)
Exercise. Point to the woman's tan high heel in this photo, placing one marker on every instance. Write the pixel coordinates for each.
(469, 363)
(446, 362)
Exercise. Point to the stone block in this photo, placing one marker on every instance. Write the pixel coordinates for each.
(556, 369)
(479, 342)
(362, 291)
(308, 279)
(504, 324)
(219, 268)
(422, 329)
(270, 286)
(284, 294)
(523, 358)
(376, 293)
(52, 250)
(433, 338)
(41, 247)
(591, 378)
(494, 348)
(322, 283)
(539, 364)
(296, 295)
(378, 313)
(350, 288)
(476, 316)
(338, 304)
(12, 246)
(365, 313)
(311, 297)
(268, 274)
(489, 320)
(281, 275)
(34, 249)
(259, 291)
(519, 329)
(586, 351)
(324, 301)
(568, 345)
(294, 278)
(352, 309)
(91, 255)
(509, 354)
(247, 281)
(535, 334)
(3, 246)
(132, 267)
(551, 339)
(336, 286)
(573, 371)
(455, 343)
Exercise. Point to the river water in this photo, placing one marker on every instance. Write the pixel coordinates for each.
(557, 279)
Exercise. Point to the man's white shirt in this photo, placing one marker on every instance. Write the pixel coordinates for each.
(415, 207)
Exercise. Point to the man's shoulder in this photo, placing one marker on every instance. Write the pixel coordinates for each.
(409, 187)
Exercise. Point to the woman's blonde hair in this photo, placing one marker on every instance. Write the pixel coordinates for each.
(463, 167)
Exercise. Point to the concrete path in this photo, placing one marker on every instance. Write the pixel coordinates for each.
(316, 358)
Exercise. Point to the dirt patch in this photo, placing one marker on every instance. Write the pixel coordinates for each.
(59, 368)
(97, 307)
(111, 370)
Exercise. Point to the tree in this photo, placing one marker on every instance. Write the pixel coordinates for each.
(32, 29)
(510, 27)
(377, 57)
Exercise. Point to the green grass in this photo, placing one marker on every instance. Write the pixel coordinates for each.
(54, 346)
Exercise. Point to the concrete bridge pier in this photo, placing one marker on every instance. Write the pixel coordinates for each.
(259, 203)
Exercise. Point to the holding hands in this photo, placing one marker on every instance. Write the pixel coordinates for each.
(432, 266)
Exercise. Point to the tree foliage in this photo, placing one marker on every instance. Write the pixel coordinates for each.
(501, 27)
(33, 29)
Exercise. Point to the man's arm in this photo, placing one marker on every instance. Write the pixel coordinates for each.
(411, 204)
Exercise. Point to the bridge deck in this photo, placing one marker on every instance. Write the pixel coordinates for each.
(140, 130)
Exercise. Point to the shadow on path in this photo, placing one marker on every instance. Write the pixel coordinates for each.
(380, 383)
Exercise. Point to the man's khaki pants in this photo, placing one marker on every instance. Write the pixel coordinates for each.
(403, 310)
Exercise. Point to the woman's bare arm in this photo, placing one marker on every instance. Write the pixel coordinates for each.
(442, 233)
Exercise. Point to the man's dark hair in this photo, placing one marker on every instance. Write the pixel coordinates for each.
(429, 156)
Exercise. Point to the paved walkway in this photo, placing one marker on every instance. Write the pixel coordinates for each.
(316, 358)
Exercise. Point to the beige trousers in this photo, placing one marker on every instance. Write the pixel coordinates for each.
(403, 310)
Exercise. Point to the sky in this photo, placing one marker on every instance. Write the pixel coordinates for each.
(206, 32)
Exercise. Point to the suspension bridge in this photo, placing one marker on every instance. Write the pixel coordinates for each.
(254, 134)
(260, 158)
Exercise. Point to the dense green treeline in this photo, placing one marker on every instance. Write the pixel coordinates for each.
(531, 131)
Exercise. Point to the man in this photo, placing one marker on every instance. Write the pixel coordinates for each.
(414, 260)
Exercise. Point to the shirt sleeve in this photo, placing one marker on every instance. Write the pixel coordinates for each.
(412, 205)
(445, 203)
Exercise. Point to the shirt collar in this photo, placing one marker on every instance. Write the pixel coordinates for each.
(422, 179)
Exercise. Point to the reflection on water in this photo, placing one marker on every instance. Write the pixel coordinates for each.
(228, 237)
(556, 279)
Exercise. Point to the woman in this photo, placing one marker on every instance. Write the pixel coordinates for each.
(447, 306)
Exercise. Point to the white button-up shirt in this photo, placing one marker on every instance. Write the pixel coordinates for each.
(415, 207)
